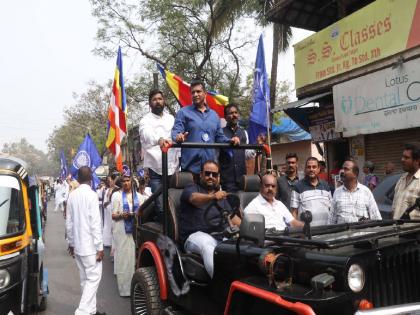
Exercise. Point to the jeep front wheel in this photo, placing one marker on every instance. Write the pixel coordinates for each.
(145, 292)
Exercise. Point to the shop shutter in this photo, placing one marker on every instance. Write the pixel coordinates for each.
(388, 147)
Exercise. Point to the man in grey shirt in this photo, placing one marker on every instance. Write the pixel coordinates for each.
(286, 182)
(312, 194)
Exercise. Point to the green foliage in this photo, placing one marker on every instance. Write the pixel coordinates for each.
(176, 34)
(38, 162)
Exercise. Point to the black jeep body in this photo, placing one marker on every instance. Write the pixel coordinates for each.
(290, 272)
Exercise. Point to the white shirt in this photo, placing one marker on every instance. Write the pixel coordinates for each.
(153, 127)
(350, 206)
(83, 221)
(276, 214)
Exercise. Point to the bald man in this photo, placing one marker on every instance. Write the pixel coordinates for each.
(275, 212)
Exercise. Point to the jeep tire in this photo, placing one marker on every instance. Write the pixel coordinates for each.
(145, 292)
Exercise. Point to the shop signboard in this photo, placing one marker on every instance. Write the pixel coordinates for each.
(381, 101)
(379, 30)
(322, 125)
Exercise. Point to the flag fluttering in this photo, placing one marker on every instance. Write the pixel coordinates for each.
(259, 119)
(117, 114)
(87, 155)
(181, 91)
(63, 166)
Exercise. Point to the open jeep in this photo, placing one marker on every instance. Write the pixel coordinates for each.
(335, 269)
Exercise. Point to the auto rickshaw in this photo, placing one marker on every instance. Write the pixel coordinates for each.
(23, 278)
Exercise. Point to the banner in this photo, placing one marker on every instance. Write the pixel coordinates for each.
(382, 101)
(379, 30)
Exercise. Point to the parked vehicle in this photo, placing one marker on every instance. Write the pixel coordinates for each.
(23, 277)
(384, 195)
(336, 269)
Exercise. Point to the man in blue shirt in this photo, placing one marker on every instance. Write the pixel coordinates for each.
(198, 123)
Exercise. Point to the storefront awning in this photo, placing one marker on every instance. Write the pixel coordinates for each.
(298, 114)
(300, 103)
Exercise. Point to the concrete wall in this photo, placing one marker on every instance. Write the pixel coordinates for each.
(303, 149)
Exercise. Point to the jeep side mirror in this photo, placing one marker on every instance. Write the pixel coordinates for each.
(253, 228)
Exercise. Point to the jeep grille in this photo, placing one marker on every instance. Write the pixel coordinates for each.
(395, 278)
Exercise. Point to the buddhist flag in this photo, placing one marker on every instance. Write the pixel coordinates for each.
(117, 114)
(181, 90)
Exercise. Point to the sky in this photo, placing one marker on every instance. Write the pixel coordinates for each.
(46, 56)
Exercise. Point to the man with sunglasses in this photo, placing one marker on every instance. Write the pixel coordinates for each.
(195, 199)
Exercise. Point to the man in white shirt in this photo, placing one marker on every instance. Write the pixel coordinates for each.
(84, 233)
(275, 212)
(353, 202)
(155, 128)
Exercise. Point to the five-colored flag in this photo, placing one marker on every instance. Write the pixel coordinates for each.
(117, 114)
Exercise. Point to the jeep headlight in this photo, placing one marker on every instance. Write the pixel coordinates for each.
(4, 278)
(356, 278)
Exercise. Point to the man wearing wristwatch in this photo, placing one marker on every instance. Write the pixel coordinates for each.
(194, 228)
(155, 128)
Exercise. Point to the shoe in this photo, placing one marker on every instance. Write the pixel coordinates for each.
(100, 313)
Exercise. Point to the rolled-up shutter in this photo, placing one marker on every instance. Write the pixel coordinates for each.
(388, 147)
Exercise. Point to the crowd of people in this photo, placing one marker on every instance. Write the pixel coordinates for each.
(281, 200)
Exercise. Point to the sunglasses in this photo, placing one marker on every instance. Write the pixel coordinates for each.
(208, 173)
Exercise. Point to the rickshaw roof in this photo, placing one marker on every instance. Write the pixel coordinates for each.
(14, 164)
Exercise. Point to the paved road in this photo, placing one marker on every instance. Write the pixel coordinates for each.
(64, 283)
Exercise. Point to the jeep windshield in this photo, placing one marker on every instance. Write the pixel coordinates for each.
(12, 213)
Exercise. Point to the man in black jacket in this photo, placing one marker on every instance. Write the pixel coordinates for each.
(232, 162)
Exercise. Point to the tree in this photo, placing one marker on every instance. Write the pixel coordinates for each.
(227, 10)
(38, 162)
(174, 33)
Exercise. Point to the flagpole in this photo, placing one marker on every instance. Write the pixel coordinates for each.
(269, 159)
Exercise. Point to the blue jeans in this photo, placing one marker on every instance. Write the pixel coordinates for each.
(155, 183)
(202, 244)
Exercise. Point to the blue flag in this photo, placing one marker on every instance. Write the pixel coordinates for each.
(87, 155)
(259, 118)
(63, 166)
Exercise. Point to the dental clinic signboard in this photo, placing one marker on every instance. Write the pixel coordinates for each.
(382, 101)
(379, 30)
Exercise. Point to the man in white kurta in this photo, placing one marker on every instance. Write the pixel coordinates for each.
(84, 233)
(155, 129)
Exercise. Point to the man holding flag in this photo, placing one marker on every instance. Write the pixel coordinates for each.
(198, 123)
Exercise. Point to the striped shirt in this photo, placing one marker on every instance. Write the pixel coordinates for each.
(405, 195)
(316, 199)
(351, 206)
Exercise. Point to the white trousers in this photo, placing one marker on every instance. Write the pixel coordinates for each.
(203, 244)
(90, 272)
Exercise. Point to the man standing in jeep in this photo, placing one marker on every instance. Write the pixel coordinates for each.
(198, 123)
(195, 199)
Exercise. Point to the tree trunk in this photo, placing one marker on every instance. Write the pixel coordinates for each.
(277, 33)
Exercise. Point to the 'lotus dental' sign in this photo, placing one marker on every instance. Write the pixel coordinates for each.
(382, 101)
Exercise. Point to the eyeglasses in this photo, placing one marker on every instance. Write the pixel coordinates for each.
(208, 173)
